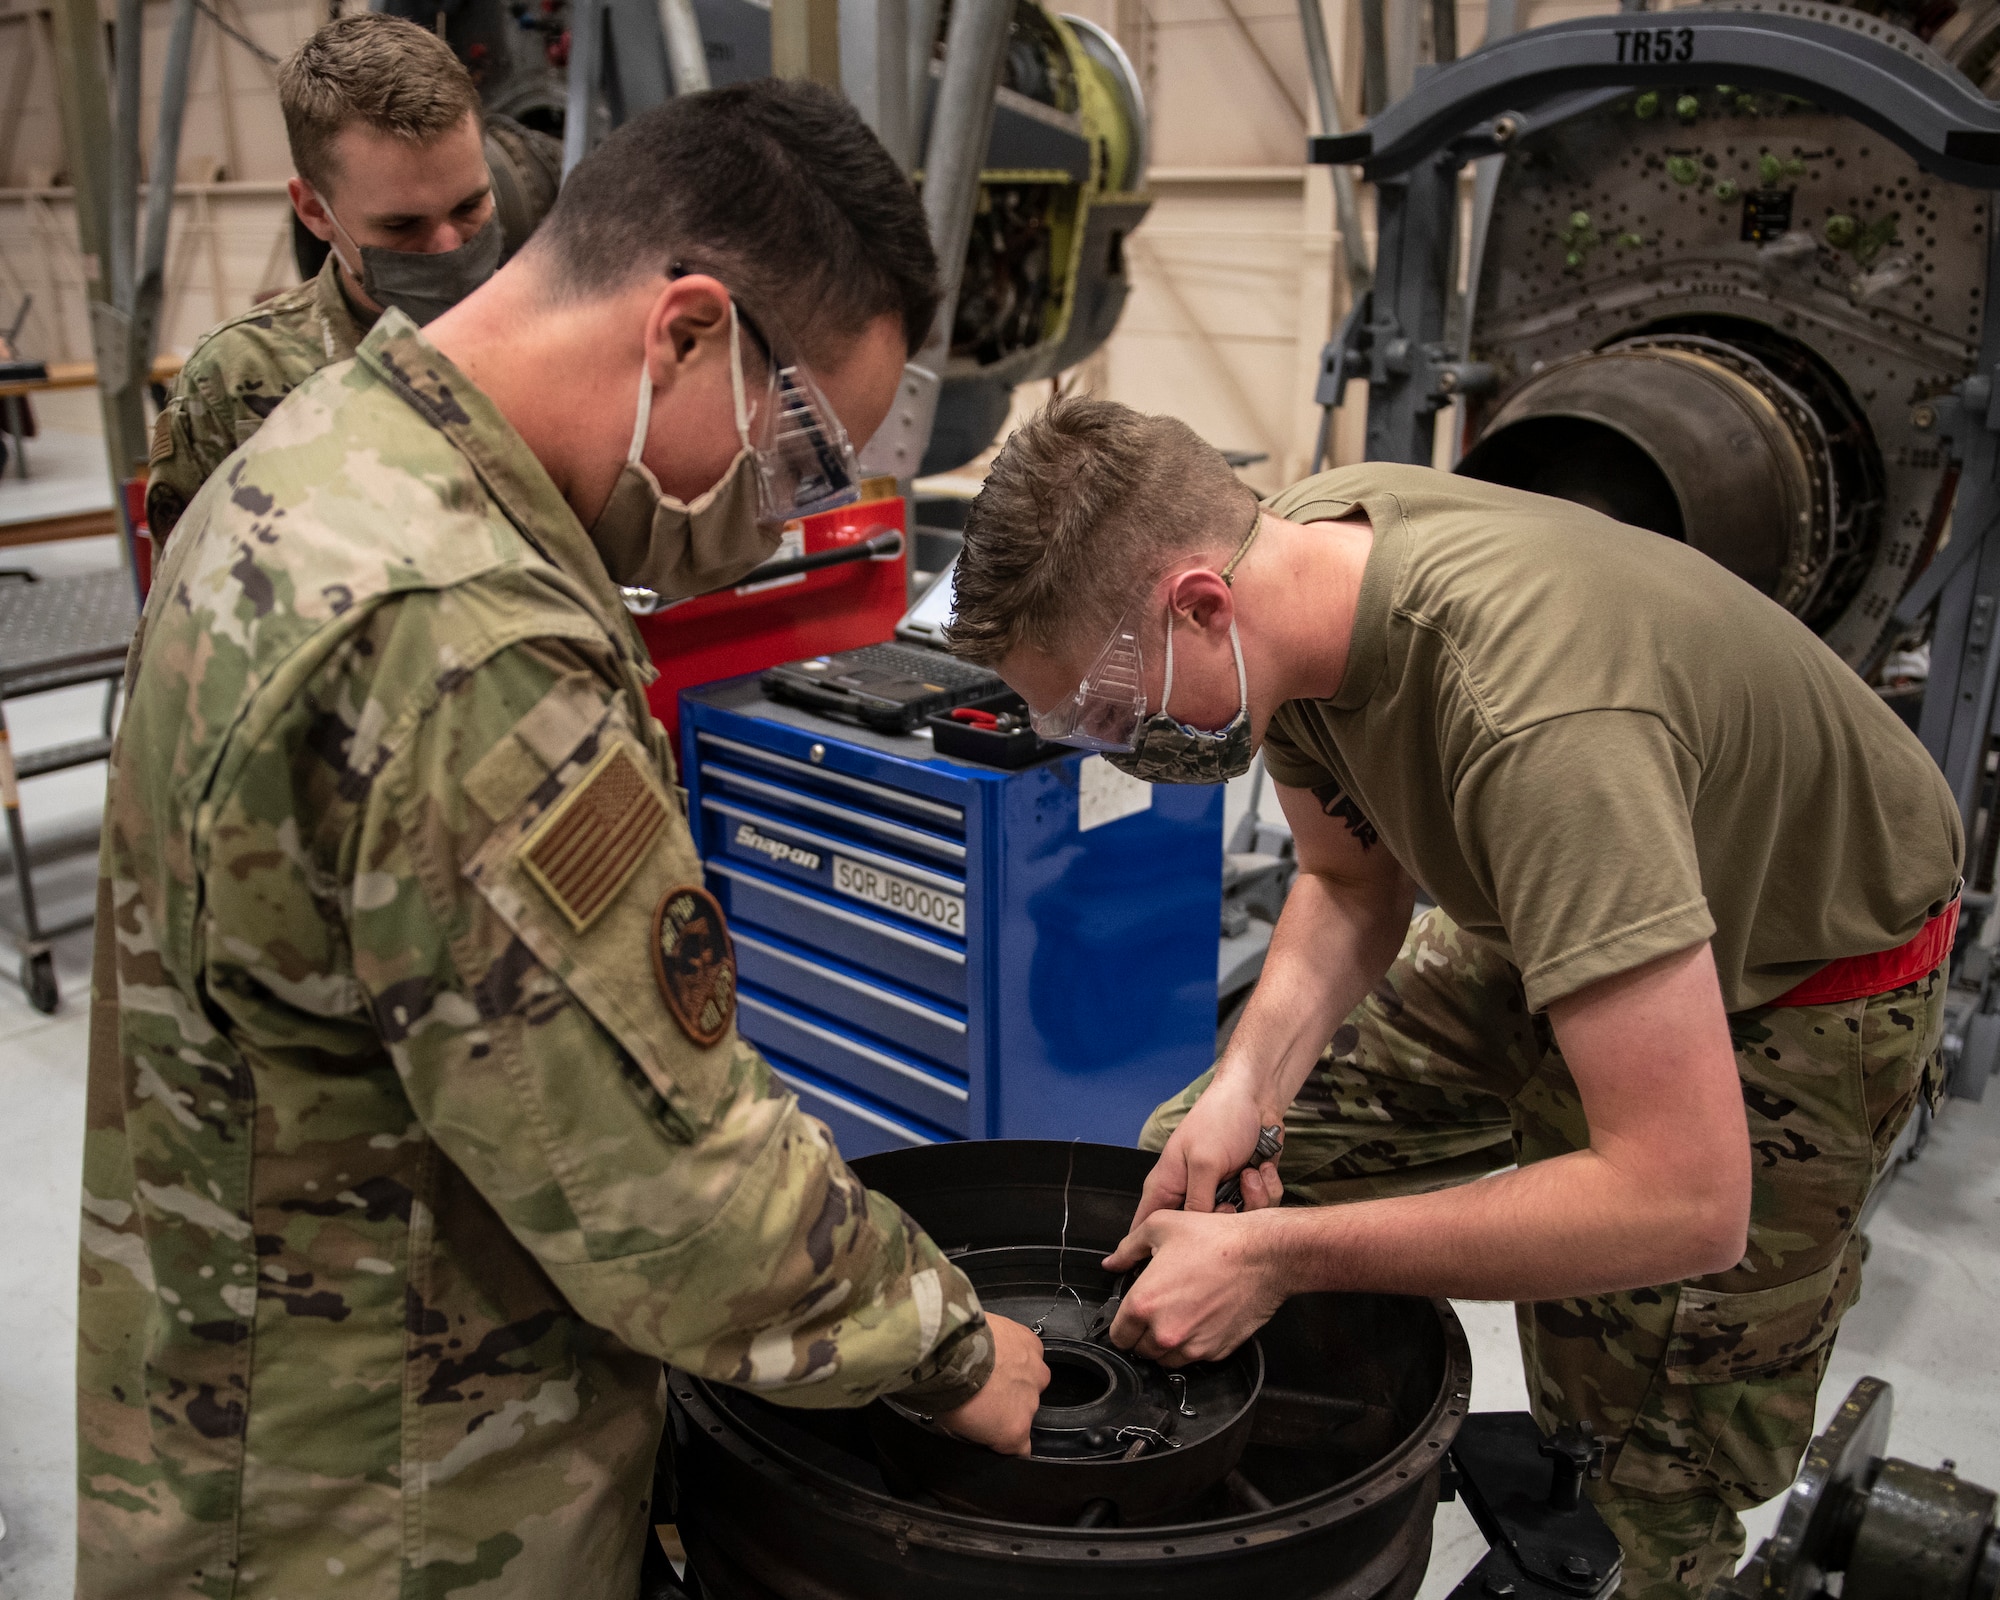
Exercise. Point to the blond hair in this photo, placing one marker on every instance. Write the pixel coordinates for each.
(383, 72)
(1087, 502)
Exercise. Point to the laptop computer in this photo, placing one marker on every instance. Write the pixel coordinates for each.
(890, 687)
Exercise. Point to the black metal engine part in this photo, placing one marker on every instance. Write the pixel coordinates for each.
(1332, 1497)
(1118, 1438)
(1886, 1529)
(1728, 314)
(1696, 438)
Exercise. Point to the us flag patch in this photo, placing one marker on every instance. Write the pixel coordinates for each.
(582, 852)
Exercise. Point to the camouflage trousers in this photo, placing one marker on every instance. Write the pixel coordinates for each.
(1702, 1389)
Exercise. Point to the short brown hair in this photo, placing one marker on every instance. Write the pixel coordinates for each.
(776, 187)
(1086, 502)
(381, 71)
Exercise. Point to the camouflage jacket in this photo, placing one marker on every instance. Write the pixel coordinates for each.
(419, 1134)
(234, 379)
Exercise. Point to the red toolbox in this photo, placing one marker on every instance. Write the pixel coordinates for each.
(759, 624)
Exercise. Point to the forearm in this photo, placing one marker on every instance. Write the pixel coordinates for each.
(1574, 1225)
(1332, 944)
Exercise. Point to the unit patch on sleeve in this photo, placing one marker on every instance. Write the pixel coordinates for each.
(582, 852)
(695, 963)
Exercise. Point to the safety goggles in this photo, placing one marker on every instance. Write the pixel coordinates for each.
(805, 461)
(1109, 705)
(1110, 702)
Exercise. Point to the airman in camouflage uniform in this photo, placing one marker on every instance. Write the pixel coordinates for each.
(381, 116)
(400, 1184)
(419, 1131)
(1703, 1390)
(234, 379)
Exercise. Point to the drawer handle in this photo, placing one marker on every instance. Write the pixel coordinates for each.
(941, 1019)
(763, 820)
(888, 1063)
(916, 837)
(812, 1091)
(909, 802)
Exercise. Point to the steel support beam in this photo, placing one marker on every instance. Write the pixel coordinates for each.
(88, 141)
(1501, 21)
(1326, 98)
(127, 49)
(1416, 215)
(1402, 39)
(1960, 704)
(149, 286)
(961, 127)
(924, 16)
(586, 79)
(875, 71)
(687, 56)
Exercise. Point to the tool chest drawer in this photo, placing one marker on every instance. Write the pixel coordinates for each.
(864, 828)
(860, 937)
(846, 1056)
(929, 949)
(857, 1125)
(912, 891)
(821, 982)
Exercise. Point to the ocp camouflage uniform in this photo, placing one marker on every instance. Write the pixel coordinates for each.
(1703, 1389)
(235, 377)
(413, 1148)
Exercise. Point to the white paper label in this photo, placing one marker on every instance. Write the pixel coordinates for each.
(1104, 794)
(900, 895)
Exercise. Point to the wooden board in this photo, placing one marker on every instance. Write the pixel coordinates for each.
(47, 530)
(83, 375)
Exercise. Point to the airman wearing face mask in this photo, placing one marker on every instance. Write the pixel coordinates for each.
(458, 1006)
(388, 142)
(1640, 1065)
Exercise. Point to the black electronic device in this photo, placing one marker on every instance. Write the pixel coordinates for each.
(892, 687)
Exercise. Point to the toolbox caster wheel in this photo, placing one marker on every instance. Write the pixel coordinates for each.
(38, 977)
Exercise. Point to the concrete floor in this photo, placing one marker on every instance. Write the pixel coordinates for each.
(1924, 1321)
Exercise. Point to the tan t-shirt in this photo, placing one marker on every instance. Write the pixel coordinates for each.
(1593, 745)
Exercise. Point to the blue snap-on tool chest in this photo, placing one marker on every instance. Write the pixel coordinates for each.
(931, 949)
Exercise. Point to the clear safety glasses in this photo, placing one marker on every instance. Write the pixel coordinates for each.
(1110, 702)
(805, 461)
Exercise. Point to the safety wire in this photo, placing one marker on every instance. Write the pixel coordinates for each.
(1062, 1256)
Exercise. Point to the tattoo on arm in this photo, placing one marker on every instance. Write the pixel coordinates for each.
(1334, 801)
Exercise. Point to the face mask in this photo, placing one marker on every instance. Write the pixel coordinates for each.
(1168, 751)
(424, 286)
(650, 540)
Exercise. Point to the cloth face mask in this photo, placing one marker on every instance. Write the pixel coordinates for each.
(424, 287)
(1166, 750)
